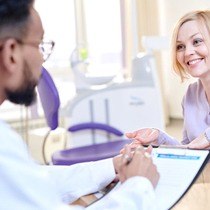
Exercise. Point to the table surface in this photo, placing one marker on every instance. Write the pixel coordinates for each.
(197, 197)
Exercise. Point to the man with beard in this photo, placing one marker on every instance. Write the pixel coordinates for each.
(25, 185)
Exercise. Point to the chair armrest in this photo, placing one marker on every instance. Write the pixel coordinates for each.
(95, 126)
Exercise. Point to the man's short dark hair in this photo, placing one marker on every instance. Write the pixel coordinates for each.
(14, 16)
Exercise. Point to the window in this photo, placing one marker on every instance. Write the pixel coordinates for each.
(100, 32)
(103, 35)
(58, 20)
(111, 35)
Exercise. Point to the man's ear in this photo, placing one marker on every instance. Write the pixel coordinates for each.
(11, 55)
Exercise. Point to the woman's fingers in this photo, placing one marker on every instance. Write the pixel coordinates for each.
(144, 136)
(199, 143)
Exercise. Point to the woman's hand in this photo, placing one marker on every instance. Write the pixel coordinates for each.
(144, 136)
(199, 143)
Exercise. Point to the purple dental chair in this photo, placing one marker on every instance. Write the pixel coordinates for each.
(50, 101)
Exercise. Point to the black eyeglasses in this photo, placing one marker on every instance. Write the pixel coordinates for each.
(45, 47)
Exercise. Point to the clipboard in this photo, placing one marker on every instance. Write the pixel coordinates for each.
(179, 168)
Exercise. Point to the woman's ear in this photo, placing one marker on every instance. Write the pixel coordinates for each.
(11, 55)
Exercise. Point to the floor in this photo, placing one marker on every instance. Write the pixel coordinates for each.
(174, 128)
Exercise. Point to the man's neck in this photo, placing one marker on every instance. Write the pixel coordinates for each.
(2, 99)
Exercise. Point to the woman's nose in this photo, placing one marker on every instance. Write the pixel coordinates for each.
(189, 50)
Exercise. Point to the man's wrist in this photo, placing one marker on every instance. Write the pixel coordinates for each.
(116, 163)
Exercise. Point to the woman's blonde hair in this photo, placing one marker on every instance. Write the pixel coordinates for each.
(202, 16)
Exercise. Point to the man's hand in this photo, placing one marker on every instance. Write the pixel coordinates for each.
(138, 163)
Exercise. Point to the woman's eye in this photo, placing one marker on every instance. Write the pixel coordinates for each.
(197, 41)
(180, 47)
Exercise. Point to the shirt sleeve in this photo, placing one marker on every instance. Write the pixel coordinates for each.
(165, 138)
(26, 185)
(81, 179)
(136, 193)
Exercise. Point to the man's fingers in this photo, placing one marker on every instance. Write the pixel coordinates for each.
(126, 157)
(147, 155)
(149, 149)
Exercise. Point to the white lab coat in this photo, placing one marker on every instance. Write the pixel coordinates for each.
(25, 185)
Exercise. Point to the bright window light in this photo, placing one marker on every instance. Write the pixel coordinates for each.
(103, 29)
(58, 19)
